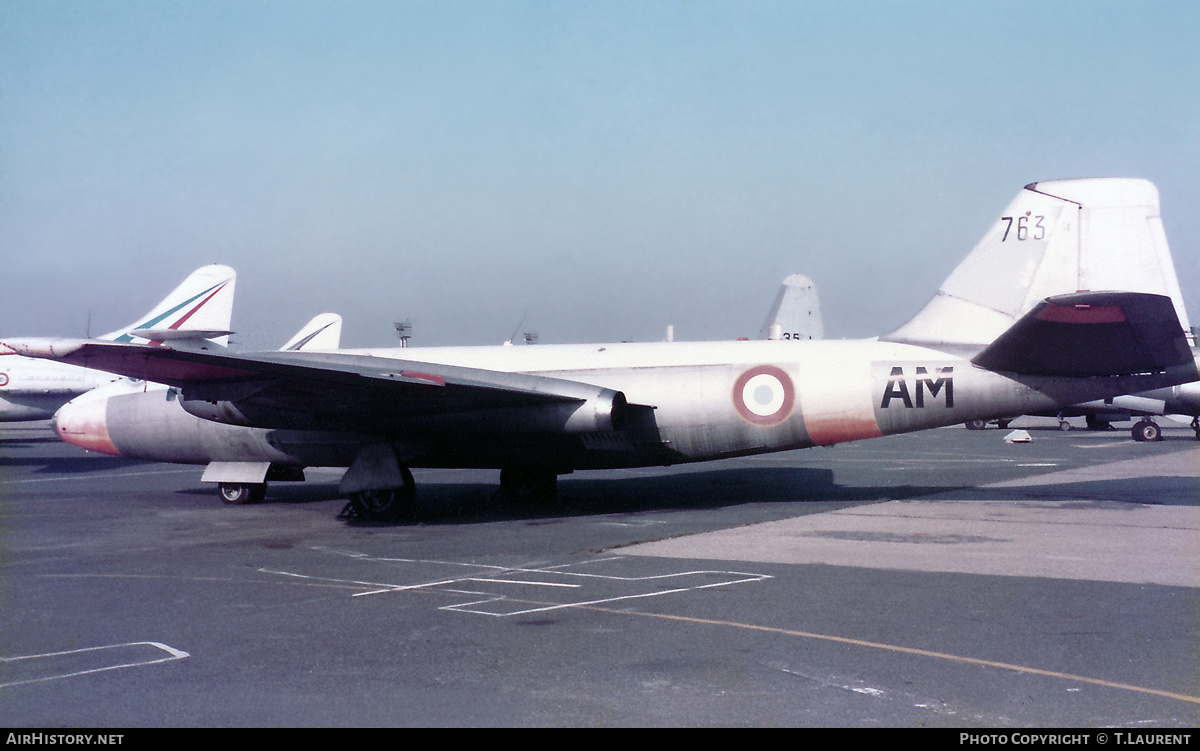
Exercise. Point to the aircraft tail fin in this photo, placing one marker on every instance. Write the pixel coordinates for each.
(1092, 334)
(322, 332)
(1055, 238)
(201, 307)
(795, 312)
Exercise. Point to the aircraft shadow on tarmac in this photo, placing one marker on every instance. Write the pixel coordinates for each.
(15, 442)
(7, 442)
(67, 465)
(475, 502)
(469, 503)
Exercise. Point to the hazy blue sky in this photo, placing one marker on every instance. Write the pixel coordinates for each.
(606, 168)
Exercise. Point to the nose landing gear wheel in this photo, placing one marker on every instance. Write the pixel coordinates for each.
(239, 493)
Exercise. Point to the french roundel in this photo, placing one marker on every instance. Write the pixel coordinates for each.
(764, 395)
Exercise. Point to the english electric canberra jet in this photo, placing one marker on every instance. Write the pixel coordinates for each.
(200, 307)
(1020, 326)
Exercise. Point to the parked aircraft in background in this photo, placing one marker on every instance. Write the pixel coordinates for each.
(144, 420)
(1182, 400)
(322, 332)
(1007, 333)
(200, 308)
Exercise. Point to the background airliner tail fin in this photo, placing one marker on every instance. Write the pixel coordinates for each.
(795, 311)
(322, 332)
(200, 307)
(1055, 238)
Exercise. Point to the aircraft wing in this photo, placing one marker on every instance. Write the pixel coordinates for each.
(351, 392)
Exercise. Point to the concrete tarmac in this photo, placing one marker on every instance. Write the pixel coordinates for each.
(944, 579)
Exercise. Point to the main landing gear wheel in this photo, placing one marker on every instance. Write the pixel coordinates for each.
(386, 504)
(528, 485)
(976, 424)
(239, 493)
(1147, 430)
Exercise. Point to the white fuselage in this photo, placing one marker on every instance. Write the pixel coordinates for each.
(698, 401)
(34, 389)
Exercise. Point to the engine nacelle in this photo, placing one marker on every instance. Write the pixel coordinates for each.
(605, 411)
(223, 412)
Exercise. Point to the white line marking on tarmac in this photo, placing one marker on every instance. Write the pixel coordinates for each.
(172, 655)
(537, 584)
(447, 584)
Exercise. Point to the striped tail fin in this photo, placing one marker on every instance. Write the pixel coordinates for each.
(199, 308)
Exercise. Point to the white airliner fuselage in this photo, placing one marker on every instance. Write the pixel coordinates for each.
(35, 389)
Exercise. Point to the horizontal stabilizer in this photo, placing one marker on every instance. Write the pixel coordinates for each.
(1091, 334)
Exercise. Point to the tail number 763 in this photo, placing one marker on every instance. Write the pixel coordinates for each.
(1025, 224)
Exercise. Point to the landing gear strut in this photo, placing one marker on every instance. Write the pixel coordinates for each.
(982, 424)
(385, 504)
(528, 485)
